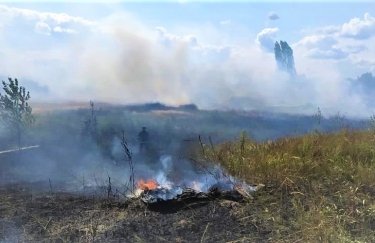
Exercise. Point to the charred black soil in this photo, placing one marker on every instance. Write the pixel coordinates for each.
(30, 216)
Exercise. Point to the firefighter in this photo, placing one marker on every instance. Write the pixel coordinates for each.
(143, 138)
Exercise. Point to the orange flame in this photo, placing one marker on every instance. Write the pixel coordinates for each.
(147, 184)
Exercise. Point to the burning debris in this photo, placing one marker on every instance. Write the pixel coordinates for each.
(174, 184)
(147, 185)
(172, 197)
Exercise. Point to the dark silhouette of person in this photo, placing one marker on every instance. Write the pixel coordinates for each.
(143, 138)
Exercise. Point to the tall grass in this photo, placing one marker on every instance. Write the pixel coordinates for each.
(318, 187)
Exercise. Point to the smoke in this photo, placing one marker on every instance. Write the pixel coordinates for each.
(67, 166)
(121, 59)
(132, 68)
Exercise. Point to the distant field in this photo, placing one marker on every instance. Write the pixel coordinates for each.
(189, 119)
(40, 107)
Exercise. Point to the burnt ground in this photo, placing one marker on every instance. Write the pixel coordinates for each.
(30, 216)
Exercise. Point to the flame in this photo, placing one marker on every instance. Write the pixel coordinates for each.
(147, 184)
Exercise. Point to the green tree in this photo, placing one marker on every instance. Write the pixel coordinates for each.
(15, 110)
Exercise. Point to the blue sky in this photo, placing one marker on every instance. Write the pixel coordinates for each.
(212, 54)
(252, 14)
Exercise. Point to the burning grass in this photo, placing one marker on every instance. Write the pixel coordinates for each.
(147, 184)
(318, 187)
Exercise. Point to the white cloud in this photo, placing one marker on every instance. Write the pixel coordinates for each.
(355, 28)
(322, 47)
(42, 28)
(59, 29)
(45, 22)
(318, 41)
(171, 39)
(359, 28)
(54, 18)
(266, 38)
(201, 52)
(340, 41)
(332, 53)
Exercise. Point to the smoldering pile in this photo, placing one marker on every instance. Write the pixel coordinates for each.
(160, 193)
(164, 199)
(169, 183)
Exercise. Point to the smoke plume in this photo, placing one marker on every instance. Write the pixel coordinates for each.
(121, 59)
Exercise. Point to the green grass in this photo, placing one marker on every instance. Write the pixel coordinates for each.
(318, 187)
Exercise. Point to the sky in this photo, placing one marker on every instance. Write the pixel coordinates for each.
(216, 55)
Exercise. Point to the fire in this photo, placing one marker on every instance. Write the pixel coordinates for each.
(147, 184)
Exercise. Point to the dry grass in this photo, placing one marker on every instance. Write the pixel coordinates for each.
(319, 187)
(59, 218)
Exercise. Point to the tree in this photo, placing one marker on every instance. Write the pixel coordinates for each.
(284, 57)
(15, 110)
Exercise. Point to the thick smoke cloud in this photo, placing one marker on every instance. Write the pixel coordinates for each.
(120, 59)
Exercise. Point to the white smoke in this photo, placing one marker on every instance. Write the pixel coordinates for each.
(120, 59)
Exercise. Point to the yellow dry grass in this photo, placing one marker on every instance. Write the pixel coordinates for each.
(319, 187)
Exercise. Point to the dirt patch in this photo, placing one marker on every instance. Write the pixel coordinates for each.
(28, 216)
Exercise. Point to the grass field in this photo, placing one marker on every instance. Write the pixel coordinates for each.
(318, 187)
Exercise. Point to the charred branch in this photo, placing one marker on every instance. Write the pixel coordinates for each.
(129, 158)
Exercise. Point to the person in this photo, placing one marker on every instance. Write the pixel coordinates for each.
(143, 138)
